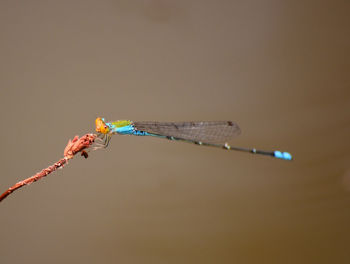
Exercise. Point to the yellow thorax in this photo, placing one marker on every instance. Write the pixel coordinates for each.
(121, 123)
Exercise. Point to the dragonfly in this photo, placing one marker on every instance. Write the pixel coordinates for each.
(204, 133)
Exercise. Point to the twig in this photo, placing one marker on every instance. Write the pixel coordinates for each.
(73, 147)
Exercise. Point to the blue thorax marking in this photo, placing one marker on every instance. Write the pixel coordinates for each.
(129, 130)
(125, 130)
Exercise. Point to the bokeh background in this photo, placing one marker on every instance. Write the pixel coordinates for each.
(280, 69)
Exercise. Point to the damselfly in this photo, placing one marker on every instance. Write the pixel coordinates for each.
(205, 133)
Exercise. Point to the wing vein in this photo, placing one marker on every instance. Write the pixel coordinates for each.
(204, 131)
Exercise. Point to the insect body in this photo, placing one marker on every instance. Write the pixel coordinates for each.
(207, 133)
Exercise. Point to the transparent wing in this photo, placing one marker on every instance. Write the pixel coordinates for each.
(204, 131)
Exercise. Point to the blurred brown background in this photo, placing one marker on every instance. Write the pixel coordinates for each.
(278, 68)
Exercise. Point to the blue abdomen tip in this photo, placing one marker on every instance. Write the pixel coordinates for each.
(282, 155)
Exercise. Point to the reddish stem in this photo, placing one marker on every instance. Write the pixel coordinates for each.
(73, 147)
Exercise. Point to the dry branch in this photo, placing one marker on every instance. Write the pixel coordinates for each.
(73, 147)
